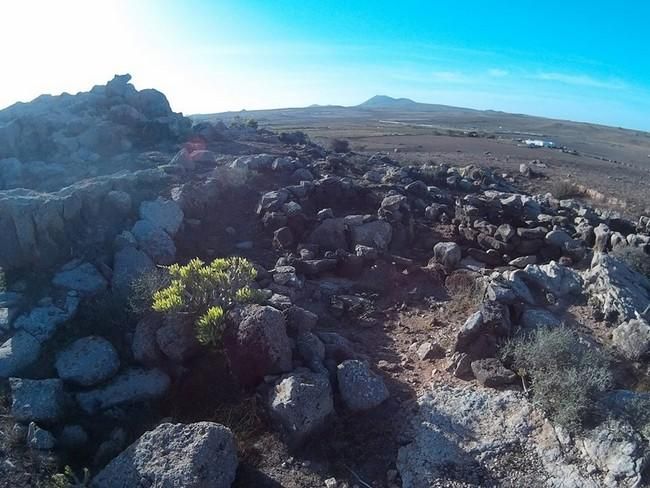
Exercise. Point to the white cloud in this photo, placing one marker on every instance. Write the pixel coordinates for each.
(448, 77)
(580, 80)
(498, 73)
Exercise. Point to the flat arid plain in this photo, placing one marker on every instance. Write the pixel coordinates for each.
(611, 164)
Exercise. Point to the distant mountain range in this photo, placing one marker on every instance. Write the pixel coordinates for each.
(384, 101)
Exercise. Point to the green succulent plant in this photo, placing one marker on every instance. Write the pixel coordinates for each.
(207, 292)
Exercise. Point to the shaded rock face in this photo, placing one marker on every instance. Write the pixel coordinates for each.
(85, 279)
(37, 400)
(129, 263)
(88, 361)
(330, 235)
(301, 403)
(377, 234)
(104, 121)
(257, 344)
(17, 353)
(200, 455)
(131, 386)
(43, 229)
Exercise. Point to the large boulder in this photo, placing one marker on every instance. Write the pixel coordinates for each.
(632, 339)
(553, 278)
(458, 430)
(301, 403)
(131, 386)
(199, 455)
(87, 361)
(37, 400)
(257, 343)
(617, 291)
(360, 388)
(616, 449)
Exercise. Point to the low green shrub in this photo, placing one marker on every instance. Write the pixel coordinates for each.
(206, 292)
(566, 375)
(635, 257)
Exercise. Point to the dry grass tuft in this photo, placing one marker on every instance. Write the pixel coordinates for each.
(566, 189)
(466, 290)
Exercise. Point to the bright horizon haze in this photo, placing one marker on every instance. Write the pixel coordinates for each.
(582, 61)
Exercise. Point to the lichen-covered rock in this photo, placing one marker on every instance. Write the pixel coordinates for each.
(457, 431)
(199, 455)
(87, 361)
(360, 388)
(301, 403)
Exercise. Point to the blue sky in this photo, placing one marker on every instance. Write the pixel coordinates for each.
(578, 60)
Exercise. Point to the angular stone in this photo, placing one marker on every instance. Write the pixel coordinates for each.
(132, 386)
(17, 353)
(154, 241)
(36, 400)
(632, 338)
(300, 404)
(85, 279)
(448, 254)
(165, 214)
(360, 388)
(198, 455)
(87, 361)
(258, 344)
(492, 373)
